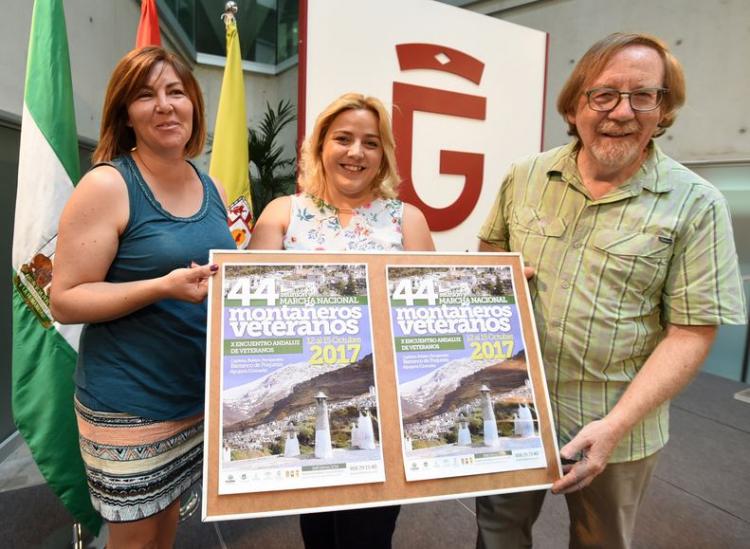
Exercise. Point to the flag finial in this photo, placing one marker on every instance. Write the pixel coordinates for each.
(230, 10)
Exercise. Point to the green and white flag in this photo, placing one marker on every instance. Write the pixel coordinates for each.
(44, 352)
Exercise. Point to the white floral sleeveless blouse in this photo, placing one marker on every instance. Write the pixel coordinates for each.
(314, 225)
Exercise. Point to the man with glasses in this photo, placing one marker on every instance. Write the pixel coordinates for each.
(635, 266)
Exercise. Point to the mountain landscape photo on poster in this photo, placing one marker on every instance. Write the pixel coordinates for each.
(466, 401)
(298, 393)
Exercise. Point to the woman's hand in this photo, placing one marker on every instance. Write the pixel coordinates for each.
(191, 283)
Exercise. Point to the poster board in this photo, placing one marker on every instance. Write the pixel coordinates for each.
(395, 489)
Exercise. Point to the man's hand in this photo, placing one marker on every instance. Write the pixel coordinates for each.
(595, 442)
(485, 246)
(668, 369)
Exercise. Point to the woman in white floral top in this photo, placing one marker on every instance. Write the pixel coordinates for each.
(348, 178)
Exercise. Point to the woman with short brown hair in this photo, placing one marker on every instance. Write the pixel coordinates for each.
(131, 264)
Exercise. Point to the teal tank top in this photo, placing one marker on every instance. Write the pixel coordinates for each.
(151, 363)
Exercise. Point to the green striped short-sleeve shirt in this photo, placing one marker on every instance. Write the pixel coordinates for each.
(611, 273)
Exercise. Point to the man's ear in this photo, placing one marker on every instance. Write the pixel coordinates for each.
(662, 115)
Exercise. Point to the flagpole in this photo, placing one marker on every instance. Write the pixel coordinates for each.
(229, 152)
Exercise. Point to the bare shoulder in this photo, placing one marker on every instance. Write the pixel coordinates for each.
(269, 230)
(417, 235)
(102, 178)
(103, 184)
(100, 195)
(277, 211)
(220, 189)
(412, 213)
(414, 219)
(279, 205)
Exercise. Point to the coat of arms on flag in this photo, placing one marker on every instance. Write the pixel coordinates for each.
(32, 281)
(240, 219)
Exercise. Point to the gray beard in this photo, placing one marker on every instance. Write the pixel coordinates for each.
(615, 156)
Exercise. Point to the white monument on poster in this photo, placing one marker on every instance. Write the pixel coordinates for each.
(466, 92)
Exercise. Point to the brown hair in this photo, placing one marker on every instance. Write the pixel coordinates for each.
(128, 77)
(312, 175)
(596, 58)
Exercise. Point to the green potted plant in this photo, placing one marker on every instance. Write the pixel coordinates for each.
(271, 175)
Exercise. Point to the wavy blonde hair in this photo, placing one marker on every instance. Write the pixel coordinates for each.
(596, 58)
(311, 173)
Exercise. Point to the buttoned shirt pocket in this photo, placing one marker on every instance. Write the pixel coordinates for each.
(533, 221)
(538, 237)
(637, 260)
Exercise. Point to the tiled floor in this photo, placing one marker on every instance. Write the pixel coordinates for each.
(699, 497)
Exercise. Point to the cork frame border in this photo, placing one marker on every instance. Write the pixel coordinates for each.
(395, 489)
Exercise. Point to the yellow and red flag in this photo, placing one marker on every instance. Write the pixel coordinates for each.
(229, 152)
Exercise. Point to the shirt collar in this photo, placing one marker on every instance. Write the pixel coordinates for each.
(649, 176)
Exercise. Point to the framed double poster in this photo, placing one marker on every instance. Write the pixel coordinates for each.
(341, 380)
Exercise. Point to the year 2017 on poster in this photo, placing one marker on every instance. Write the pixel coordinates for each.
(299, 405)
(466, 400)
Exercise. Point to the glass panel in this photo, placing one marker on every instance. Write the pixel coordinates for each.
(184, 11)
(267, 28)
(172, 4)
(210, 32)
(287, 37)
(256, 22)
(727, 355)
(257, 27)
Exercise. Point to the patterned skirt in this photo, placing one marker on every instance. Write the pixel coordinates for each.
(135, 466)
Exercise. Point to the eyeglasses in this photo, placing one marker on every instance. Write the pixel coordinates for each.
(642, 100)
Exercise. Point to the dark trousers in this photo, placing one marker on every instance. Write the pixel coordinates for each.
(352, 529)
